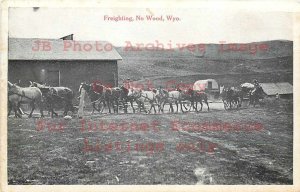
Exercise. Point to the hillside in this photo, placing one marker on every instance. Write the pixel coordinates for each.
(228, 67)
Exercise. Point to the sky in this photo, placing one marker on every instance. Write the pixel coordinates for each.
(210, 25)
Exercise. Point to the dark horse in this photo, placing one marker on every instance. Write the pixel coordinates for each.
(110, 97)
(256, 94)
(54, 96)
(124, 98)
(96, 95)
(232, 96)
(194, 97)
(199, 96)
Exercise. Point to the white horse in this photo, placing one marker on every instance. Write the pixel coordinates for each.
(24, 95)
(166, 97)
(141, 97)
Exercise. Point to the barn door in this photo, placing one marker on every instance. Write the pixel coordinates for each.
(52, 78)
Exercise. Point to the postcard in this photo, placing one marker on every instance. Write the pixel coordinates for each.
(149, 96)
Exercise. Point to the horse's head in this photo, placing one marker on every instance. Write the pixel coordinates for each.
(84, 86)
(35, 84)
(130, 93)
(13, 87)
(9, 84)
(134, 92)
(124, 89)
(190, 91)
(155, 91)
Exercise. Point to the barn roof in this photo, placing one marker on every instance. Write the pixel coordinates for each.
(274, 88)
(22, 49)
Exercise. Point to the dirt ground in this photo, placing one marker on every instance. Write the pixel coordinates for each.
(252, 145)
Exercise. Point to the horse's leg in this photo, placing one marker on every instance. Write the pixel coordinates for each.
(131, 103)
(149, 111)
(250, 99)
(181, 106)
(171, 107)
(70, 107)
(104, 105)
(66, 109)
(160, 108)
(201, 105)
(144, 108)
(184, 106)
(51, 109)
(191, 104)
(154, 108)
(108, 105)
(20, 110)
(117, 105)
(32, 109)
(176, 103)
(41, 106)
(9, 108)
(53, 112)
(16, 111)
(41, 111)
(196, 106)
(124, 106)
(207, 104)
(139, 106)
(254, 102)
(94, 106)
(112, 104)
(163, 106)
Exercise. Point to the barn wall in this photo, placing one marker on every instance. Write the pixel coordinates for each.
(72, 73)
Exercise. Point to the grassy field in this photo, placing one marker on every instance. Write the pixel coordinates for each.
(159, 153)
(228, 68)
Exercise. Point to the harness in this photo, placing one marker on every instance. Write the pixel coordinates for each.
(21, 95)
(56, 93)
(168, 97)
(139, 95)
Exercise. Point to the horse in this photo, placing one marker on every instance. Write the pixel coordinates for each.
(95, 93)
(141, 96)
(56, 96)
(199, 96)
(112, 96)
(125, 98)
(24, 95)
(256, 94)
(165, 97)
(232, 96)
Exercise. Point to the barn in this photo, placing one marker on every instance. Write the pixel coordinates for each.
(62, 62)
(283, 89)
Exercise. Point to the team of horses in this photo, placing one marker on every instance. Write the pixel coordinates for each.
(233, 97)
(41, 96)
(113, 98)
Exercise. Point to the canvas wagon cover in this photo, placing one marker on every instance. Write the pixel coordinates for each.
(202, 85)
